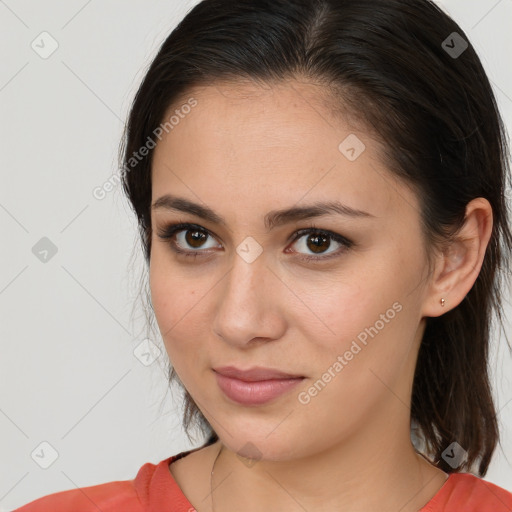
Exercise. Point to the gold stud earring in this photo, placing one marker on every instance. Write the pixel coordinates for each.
(442, 302)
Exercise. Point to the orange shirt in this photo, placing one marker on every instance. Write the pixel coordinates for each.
(155, 490)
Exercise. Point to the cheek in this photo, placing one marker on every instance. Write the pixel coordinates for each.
(357, 322)
(353, 370)
(176, 303)
(368, 317)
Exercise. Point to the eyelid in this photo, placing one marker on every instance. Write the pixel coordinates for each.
(170, 230)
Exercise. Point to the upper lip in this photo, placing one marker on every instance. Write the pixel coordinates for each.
(255, 373)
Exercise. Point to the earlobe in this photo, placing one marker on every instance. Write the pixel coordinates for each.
(459, 264)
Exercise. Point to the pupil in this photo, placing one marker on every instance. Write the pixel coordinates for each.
(198, 236)
(317, 241)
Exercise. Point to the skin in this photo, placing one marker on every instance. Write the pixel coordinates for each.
(245, 150)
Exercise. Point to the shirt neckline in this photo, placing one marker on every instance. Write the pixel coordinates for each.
(166, 480)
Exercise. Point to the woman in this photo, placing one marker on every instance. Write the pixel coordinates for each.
(320, 191)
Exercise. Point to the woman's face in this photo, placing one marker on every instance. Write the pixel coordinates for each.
(349, 323)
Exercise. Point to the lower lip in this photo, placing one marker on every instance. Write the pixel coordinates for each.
(255, 393)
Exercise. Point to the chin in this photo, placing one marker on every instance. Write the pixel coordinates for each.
(253, 448)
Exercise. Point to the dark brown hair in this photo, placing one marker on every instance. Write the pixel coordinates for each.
(399, 68)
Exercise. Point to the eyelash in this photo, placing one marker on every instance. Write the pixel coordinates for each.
(168, 232)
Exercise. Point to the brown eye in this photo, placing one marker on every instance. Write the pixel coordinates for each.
(186, 239)
(319, 242)
(191, 240)
(195, 238)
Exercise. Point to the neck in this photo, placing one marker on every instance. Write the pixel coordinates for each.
(399, 478)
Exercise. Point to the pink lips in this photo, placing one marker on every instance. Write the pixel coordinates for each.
(255, 386)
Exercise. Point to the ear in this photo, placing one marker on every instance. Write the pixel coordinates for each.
(458, 266)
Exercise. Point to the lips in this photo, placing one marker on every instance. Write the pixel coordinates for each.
(255, 386)
(254, 374)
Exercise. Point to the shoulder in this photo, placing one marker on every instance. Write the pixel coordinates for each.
(152, 488)
(127, 495)
(107, 497)
(464, 491)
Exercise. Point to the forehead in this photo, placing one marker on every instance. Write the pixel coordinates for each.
(281, 142)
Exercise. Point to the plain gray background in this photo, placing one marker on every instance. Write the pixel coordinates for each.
(68, 372)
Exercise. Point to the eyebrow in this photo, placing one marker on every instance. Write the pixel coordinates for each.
(272, 219)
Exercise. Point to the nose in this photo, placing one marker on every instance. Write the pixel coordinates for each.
(250, 304)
